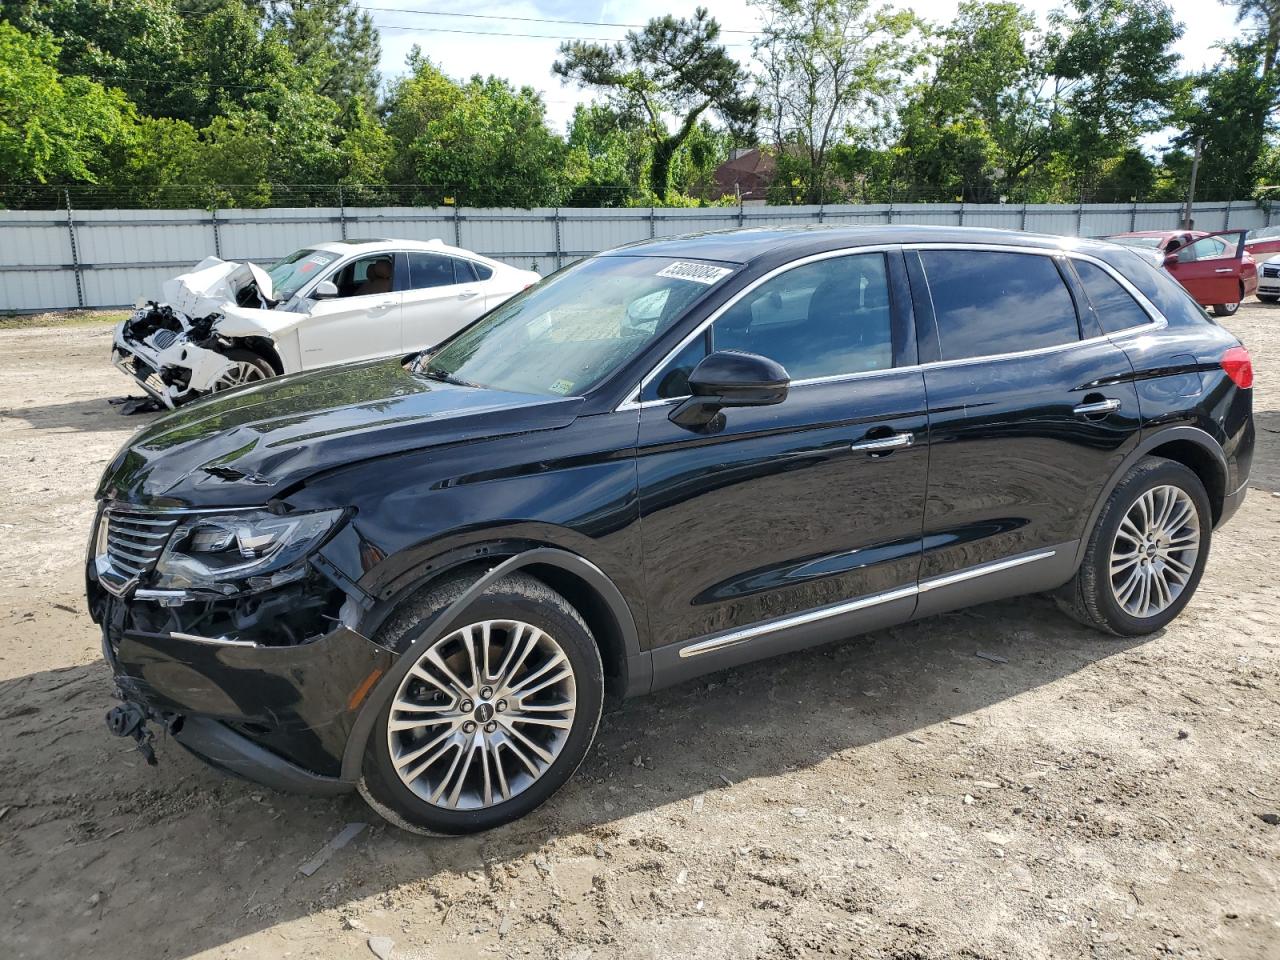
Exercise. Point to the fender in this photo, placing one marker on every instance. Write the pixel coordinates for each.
(636, 667)
(1148, 443)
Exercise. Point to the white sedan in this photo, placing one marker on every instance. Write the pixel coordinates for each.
(224, 324)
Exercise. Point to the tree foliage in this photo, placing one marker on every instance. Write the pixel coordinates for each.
(671, 67)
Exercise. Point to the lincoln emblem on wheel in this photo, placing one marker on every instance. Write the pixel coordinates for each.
(422, 577)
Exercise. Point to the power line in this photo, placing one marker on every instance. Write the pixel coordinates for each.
(495, 16)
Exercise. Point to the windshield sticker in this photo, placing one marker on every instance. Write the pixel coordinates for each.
(694, 272)
(562, 387)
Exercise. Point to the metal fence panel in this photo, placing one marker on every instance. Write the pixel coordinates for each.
(55, 259)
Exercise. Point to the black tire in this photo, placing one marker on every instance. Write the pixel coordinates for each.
(241, 355)
(1225, 309)
(1089, 597)
(1268, 298)
(516, 597)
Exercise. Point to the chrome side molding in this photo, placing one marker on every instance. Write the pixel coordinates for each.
(719, 642)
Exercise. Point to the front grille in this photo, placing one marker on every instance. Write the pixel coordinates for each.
(163, 339)
(1271, 271)
(134, 542)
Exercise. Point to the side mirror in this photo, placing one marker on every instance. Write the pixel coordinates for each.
(325, 290)
(728, 378)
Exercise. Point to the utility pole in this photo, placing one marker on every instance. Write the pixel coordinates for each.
(1187, 222)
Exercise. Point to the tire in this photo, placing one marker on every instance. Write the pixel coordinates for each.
(252, 369)
(444, 799)
(1093, 596)
(1268, 298)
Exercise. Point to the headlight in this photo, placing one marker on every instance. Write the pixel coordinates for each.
(219, 551)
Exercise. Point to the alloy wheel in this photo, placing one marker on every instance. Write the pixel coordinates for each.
(482, 714)
(1155, 550)
(240, 372)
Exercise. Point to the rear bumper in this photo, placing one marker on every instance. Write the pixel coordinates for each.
(1231, 503)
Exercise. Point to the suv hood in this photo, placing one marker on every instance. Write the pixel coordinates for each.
(247, 445)
(213, 284)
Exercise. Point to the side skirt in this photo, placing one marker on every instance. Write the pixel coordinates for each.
(1031, 572)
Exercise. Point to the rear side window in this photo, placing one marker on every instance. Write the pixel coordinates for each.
(463, 272)
(430, 270)
(483, 272)
(1114, 307)
(1169, 296)
(989, 303)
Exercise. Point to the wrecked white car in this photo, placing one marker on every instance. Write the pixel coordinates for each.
(224, 324)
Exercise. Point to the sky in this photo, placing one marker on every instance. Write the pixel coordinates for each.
(467, 41)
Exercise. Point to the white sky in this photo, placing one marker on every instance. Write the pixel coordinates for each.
(525, 60)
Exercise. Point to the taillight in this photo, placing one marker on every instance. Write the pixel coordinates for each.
(1238, 365)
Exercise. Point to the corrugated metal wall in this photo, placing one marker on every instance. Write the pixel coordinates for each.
(52, 260)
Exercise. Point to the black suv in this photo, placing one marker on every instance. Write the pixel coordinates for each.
(423, 577)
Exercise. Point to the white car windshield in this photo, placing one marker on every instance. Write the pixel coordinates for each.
(288, 275)
(565, 335)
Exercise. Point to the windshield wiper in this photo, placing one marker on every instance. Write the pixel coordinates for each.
(431, 373)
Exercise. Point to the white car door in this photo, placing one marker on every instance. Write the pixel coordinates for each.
(442, 296)
(362, 322)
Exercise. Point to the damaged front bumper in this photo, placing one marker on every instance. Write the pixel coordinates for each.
(264, 684)
(168, 366)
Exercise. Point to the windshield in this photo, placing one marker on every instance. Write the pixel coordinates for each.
(289, 274)
(1264, 233)
(575, 328)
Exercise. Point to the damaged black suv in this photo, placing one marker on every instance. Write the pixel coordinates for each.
(423, 577)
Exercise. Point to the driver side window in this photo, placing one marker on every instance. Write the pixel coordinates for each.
(821, 319)
(366, 276)
(1206, 248)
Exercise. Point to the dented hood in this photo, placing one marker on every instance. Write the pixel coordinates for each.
(212, 285)
(248, 445)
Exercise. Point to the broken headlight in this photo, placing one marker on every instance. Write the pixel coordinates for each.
(253, 548)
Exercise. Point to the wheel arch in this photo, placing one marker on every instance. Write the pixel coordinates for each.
(1190, 446)
(263, 347)
(591, 592)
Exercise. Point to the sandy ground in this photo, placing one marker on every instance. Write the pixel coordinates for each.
(894, 796)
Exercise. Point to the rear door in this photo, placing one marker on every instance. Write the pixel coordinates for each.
(1210, 267)
(793, 508)
(441, 296)
(1029, 415)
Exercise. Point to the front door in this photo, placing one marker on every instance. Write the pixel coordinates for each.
(362, 322)
(796, 508)
(1028, 420)
(1210, 267)
(442, 297)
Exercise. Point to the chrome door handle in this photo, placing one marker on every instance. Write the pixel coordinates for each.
(1223, 270)
(884, 443)
(1110, 405)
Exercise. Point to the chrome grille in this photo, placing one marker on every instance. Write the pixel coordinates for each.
(1271, 271)
(163, 339)
(131, 544)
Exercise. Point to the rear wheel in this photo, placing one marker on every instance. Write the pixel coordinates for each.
(492, 718)
(245, 367)
(1225, 309)
(1146, 553)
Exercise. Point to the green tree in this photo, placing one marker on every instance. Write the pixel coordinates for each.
(52, 127)
(334, 44)
(607, 158)
(671, 67)
(832, 71)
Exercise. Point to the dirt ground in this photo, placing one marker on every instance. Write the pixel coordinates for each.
(895, 796)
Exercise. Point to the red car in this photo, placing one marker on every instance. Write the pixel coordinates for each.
(1215, 268)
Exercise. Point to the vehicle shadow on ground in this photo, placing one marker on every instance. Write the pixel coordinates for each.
(89, 820)
(79, 415)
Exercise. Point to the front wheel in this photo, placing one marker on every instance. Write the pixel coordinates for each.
(245, 367)
(1268, 298)
(1146, 553)
(492, 718)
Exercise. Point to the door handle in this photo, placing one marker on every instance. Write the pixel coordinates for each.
(381, 306)
(884, 444)
(467, 294)
(1223, 270)
(1109, 405)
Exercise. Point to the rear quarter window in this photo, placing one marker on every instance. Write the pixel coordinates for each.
(1166, 293)
(1115, 309)
(989, 303)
